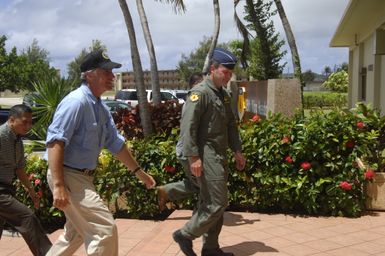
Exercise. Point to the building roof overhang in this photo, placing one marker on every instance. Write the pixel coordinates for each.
(360, 19)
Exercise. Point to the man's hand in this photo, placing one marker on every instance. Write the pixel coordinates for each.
(147, 179)
(196, 166)
(60, 197)
(240, 161)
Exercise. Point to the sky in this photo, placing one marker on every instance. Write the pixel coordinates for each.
(64, 28)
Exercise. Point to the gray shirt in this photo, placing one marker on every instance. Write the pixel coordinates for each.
(11, 154)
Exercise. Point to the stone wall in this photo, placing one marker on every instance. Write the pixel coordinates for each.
(283, 96)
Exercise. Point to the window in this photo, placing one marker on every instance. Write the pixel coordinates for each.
(362, 86)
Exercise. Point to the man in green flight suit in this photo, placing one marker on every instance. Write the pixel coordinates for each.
(208, 128)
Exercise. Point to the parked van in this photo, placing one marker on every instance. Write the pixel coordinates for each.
(130, 96)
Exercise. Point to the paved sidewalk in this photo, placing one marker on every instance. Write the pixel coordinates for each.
(247, 234)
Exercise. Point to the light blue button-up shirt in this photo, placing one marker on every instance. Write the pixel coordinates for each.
(86, 126)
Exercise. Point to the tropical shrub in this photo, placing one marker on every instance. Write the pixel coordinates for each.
(324, 100)
(164, 118)
(302, 165)
(46, 97)
(337, 81)
(157, 156)
(306, 165)
(36, 168)
(370, 122)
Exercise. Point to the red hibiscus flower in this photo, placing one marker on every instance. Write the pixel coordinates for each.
(306, 166)
(37, 182)
(345, 185)
(369, 174)
(349, 144)
(285, 139)
(169, 168)
(289, 160)
(360, 125)
(256, 118)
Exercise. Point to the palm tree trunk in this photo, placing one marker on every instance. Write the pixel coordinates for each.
(214, 37)
(293, 46)
(156, 98)
(138, 71)
(245, 34)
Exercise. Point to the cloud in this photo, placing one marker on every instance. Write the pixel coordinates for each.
(64, 28)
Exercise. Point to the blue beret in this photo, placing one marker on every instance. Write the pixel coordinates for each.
(224, 57)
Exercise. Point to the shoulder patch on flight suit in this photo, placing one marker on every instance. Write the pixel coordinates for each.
(194, 96)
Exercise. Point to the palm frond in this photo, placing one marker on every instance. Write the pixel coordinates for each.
(47, 96)
(178, 5)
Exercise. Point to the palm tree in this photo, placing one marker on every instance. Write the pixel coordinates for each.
(178, 5)
(150, 47)
(290, 40)
(138, 71)
(245, 34)
(214, 39)
(293, 46)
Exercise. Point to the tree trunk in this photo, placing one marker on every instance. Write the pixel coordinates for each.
(138, 71)
(156, 98)
(245, 34)
(293, 46)
(214, 37)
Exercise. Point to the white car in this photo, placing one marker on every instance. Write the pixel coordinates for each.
(180, 94)
(130, 96)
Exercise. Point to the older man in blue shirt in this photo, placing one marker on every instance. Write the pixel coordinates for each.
(82, 126)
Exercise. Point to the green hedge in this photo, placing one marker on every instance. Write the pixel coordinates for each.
(304, 165)
(324, 100)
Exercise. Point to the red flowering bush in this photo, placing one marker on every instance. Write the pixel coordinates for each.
(369, 174)
(275, 150)
(169, 168)
(360, 125)
(324, 146)
(289, 160)
(345, 185)
(256, 118)
(305, 166)
(285, 139)
(349, 144)
(164, 118)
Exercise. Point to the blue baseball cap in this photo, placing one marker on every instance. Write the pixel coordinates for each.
(224, 57)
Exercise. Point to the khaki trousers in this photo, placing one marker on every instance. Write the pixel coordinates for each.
(88, 219)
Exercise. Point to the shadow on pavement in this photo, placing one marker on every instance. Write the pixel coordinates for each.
(249, 248)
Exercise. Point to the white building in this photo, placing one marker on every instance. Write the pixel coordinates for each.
(362, 30)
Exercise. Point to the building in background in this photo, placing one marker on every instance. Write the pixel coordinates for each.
(362, 30)
(168, 79)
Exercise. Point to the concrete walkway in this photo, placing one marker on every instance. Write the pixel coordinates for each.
(247, 234)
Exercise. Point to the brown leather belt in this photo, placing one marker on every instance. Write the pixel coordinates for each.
(85, 171)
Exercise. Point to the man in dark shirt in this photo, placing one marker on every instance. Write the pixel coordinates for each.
(12, 163)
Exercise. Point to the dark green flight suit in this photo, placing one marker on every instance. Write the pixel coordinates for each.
(208, 128)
